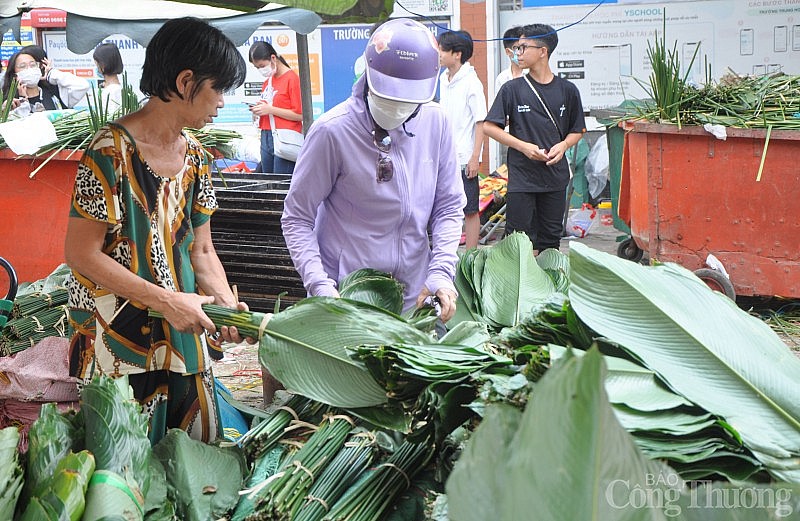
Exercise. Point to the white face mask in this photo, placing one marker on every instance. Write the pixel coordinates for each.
(389, 114)
(267, 71)
(30, 76)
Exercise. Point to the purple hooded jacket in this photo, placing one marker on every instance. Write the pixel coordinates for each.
(338, 218)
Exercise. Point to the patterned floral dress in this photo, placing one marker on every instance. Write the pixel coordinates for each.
(150, 221)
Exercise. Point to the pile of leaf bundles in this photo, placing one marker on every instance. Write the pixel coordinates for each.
(39, 311)
(552, 321)
(432, 382)
(343, 470)
(701, 345)
(51, 438)
(265, 435)
(281, 495)
(378, 488)
(11, 474)
(62, 496)
(116, 434)
(203, 479)
(32, 303)
(312, 337)
(757, 101)
(498, 286)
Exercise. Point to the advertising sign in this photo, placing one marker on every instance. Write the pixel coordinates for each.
(605, 54)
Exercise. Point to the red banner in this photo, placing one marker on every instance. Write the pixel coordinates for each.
(46, 17)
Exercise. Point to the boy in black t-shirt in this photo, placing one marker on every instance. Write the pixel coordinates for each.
(545, 119)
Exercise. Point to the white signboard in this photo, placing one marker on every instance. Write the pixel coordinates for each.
(235, 109)
(605, 54)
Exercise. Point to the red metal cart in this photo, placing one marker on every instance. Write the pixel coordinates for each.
(34, 211)
(686, 194)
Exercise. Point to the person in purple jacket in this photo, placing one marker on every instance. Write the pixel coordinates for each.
(376, 172)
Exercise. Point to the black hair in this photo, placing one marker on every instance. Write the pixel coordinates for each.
(262, 50)
(456, 41)
(190, 44)
(10, 73)
(37, 51)
(108, 59)
(544, 33)
(511, 36)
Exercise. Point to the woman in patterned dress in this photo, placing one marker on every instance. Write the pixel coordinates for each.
(139, 237)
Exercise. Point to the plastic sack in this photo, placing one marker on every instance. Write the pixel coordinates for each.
(246, 149)
(580, 221)
(596, 168)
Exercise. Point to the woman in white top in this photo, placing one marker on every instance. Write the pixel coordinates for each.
(109, 65)
(39, 85)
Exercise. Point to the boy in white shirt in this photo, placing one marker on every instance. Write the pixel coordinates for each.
(462, 96)
(510, 38)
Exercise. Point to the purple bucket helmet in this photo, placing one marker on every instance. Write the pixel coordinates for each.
(402, 60)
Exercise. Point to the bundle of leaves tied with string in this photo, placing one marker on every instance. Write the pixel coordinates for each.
(281, 495)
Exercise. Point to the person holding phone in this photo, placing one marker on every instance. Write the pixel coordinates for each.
(280, 98)
(40, 86)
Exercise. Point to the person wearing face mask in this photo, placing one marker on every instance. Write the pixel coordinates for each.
(375, 172)
(39, 85)
(280, 97)
(514, 70)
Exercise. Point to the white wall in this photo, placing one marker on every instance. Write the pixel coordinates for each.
(606, 53)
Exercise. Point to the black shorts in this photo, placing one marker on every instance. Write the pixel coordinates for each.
(472, 191)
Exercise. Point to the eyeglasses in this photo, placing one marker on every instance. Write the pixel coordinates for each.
(521, 48)
(22, 66)
(384, 167)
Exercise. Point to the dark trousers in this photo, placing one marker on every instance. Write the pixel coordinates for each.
(539, 214)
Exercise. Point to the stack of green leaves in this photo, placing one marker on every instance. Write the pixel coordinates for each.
(116, 433)
(281, 495)
(311, 338)
(11, 474)
(373, 287)
(552, 321)
(701, 345)
(343, 470)
(203, 479)
(404, 370)
(51, 438)
(431, 384)
(748, 102)
(262, 437)
(370, 497)
(39, 311)
(63, 494)
(500, 285)
(767, 101)
(668, 427)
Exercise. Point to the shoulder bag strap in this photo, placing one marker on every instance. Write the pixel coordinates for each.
(549, 114)
(552, 119)
(271, 118)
